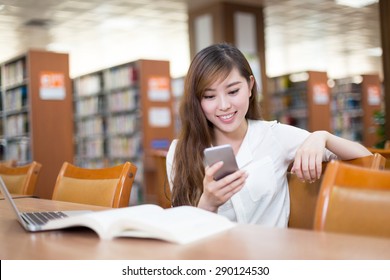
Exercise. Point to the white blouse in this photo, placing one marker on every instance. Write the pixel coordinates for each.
(266, 152)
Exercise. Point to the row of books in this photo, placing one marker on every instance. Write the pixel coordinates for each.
(91, 148)
(14, 73)
(19, 150)
(351, 84)
(123, 100)
(120, 77)
(121, 147)
(90, 127)
(16, 125)
(16, 99)
(90, 106)
(344, 120)
(117, 147)
(346, 100)
(122, 124)
(116, 78)
(88, 85)
(285, 84)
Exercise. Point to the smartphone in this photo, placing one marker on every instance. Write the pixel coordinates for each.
(221, 153)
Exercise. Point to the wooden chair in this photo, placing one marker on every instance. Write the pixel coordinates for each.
(354, 200)
(387, 145)
(303, 195)
(384, 152)
(110, 187)
(21, 179)
(162, 188)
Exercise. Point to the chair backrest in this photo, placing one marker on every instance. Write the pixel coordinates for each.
(354, 200)
(385, 153)
(21, 179)
(304, 195)
(387, 144)
(376, 161)
(162, 190)
(110, 187)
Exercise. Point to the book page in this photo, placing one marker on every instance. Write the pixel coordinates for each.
(182, 224)
(102, 222)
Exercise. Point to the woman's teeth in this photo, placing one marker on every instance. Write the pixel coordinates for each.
(225, 117)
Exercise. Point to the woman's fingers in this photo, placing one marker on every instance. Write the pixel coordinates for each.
(308, 166)
(218, 192)
(211, 170)
(233, 183)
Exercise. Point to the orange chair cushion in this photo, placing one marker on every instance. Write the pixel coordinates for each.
(359, 211)
(85, 191)
(14, 183)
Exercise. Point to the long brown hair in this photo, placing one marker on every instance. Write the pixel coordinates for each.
(209, 65)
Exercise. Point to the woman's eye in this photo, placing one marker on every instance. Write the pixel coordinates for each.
(208, 96)
(234, 91)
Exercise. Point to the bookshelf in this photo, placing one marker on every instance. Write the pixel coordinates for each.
(301, 99)
(122, 113)
(36, 105)
(354, 102)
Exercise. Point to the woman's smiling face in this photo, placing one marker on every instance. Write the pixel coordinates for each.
(225, 103)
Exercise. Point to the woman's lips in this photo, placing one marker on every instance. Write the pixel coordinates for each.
(227, 117)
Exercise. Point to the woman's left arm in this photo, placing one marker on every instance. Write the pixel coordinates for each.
(309, 156)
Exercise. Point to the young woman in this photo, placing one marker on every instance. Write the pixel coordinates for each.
(220, 106)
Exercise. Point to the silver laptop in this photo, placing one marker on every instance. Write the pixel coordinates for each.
(36, 221)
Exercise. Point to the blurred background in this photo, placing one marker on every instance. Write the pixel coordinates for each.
(299, 34)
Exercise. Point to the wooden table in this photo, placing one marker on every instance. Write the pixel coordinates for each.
(241, 242)
(16, 196)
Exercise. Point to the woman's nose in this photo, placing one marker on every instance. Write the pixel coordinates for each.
(224, 103)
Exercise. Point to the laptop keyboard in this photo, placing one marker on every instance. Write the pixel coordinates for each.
(41, 218)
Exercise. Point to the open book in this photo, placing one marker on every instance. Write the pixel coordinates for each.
(181, 224)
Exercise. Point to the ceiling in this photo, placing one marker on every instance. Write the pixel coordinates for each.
(300, 34)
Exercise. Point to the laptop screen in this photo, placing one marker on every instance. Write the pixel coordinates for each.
(7, 196)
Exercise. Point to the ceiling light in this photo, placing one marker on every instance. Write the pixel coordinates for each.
(374, 52)
(119, 23)
(58, 47)
(356, 3)
(357, 79)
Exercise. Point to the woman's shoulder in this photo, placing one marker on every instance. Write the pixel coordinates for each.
(274, 124)
(275, 128)
(262, 124)
(171, 150)
(172, 146)
(173, 143)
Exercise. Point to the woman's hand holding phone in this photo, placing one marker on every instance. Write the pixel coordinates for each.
(217, 192)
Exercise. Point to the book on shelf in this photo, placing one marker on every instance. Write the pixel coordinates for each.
(182, 224)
